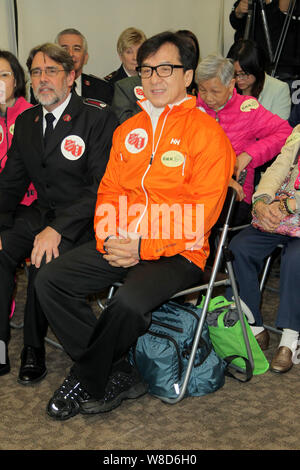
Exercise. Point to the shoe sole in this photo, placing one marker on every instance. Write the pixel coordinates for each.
(32, 382)
(276, 371)
(94, 408)
(5, 370)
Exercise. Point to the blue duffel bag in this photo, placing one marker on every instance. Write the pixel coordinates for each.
(161, 355)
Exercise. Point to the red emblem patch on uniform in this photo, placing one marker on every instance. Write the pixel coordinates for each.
(72, 147)
(67, 117)
(87, 82)
(139, 92)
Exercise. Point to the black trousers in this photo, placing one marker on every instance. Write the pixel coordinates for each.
(250, 248)
(95, 345)
(17, 244)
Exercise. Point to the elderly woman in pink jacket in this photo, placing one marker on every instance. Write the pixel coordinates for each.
(255, 133)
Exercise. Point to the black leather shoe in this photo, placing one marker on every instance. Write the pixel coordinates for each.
(5, 368)
(33, 368)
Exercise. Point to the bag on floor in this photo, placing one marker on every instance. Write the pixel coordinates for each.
(162, 353)
(226, 334)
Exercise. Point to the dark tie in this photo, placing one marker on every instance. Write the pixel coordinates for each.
(49, 127)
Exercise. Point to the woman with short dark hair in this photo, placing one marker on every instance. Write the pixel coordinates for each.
(250, 65)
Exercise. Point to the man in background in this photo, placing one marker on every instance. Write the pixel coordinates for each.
(87, 86)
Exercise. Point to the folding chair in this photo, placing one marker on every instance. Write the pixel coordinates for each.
(222, 251)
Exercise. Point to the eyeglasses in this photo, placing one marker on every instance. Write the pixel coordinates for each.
(49, 71)
(241, 75)
(163, 70)
(5, 75)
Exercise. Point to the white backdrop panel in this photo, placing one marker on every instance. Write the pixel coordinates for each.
(101, 21)
(7, 26)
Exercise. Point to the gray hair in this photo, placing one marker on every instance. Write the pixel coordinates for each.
(216, 66)
(73, 31)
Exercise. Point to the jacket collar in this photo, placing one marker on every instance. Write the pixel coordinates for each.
(187, 103)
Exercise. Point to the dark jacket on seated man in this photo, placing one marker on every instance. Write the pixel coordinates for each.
(91, 87)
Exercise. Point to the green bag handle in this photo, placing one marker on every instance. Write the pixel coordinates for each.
(215, 303)
(249, 371)
(229, 359)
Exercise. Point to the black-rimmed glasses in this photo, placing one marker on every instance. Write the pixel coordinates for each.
(162, 70)
(241, 75)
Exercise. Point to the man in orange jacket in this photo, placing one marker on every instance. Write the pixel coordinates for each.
(163, 190)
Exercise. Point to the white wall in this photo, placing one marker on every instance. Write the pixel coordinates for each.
(101, 21)
(7, 26)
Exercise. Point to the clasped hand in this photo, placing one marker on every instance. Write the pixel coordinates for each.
(122, 252)
(269, 215)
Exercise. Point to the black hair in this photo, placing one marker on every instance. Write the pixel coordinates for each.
(186, 50)
(19, 75)
(185, 33)
(252, 60)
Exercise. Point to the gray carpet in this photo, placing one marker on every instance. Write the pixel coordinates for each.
(261, 414)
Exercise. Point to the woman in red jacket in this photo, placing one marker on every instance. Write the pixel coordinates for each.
(12, 103)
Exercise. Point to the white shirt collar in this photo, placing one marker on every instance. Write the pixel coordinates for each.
(155, 112)
(78, 88)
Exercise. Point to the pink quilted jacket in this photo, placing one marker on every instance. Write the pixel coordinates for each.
(250, 128)
(7, 125)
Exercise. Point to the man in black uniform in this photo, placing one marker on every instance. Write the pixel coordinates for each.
(62, 146)
(88, 86)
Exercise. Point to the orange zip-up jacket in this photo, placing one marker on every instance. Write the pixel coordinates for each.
(166, 187)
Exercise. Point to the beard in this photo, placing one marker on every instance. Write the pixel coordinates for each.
(53, 95)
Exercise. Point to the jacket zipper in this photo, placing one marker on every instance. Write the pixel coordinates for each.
(149, 166)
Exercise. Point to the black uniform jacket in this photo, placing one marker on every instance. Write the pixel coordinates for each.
(91, 87)
(96, 88)
(66, 174)
(115, 76)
